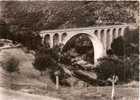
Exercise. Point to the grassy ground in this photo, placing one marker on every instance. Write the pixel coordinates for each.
(6, 94)
(30, 81)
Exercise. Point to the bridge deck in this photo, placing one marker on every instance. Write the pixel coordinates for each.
(86, 28)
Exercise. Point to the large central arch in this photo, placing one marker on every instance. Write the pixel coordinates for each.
(96, 43)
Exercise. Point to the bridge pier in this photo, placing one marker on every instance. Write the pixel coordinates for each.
(110, 38)
(60, 38)
(122, 31)
(105, 39)
(99, 34)
(117, 32)
(51, 41)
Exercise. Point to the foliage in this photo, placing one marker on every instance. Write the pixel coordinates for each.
(118, 46)
(28, 38)
(11, 65)
(44, 60)
(132, 38)
(51, 15)
(127, 45)
(126, 50)
(53, 60)
(4, 30)
(24, 20)
(126, 68)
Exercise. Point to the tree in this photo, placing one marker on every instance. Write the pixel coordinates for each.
(28, 38)
(127, 45)
(125, 68)
(132, 38)
(4, 30)
(44, 60)
(118, 46)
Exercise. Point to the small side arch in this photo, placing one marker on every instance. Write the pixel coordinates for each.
(119, 31)
(55, 39)
(47, 40)
(96, 32)
(63, 36)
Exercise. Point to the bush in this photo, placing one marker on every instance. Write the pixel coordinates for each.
(11, 65)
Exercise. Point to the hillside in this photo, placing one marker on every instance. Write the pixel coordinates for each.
(67, 14)
(27, 75)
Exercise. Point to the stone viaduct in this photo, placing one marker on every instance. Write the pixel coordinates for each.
(100, 36)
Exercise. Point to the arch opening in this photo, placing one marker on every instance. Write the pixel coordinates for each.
(64, 36)
(47, 40)
(80, 46)
(102, 36)
(55, 39)
(119, 32)
(96, 32)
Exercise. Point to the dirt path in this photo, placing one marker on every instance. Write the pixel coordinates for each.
(15, 95)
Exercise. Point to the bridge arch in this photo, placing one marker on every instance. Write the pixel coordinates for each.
(100, 43)
(96, 43)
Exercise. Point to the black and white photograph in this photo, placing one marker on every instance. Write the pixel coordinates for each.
(69, 50)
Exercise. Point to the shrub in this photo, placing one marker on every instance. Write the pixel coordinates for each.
(11, 65)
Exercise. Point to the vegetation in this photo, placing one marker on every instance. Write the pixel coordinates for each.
(29, 18)
(122, 59)
(44, 60)
(11, 65)
(126, 70)
(127, 45)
